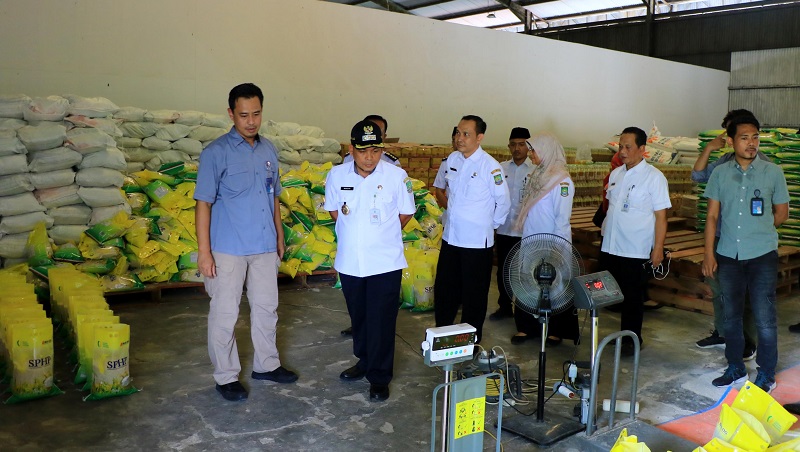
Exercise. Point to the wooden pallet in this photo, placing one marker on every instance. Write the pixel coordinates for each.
(154, 290)
(684, 287)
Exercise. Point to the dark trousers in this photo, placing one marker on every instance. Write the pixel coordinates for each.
(563, 325)
(503, 245)
(372, 304)
(632, 280)
(759, 278)
(463, 277)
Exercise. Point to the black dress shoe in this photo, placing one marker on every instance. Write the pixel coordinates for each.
(501, 314)
(347, 331)
(279, 375)
(794, 328)
(378, 393)
(353, 374)
(628, 349)
(232, 391)
(793, 407)
(553, 341)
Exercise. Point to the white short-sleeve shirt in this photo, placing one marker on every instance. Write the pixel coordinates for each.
(517, 179)
(633, 197)
(477, 199)
(370, 240)
(551, 214)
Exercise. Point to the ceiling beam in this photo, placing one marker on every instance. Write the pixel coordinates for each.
(471, 12)
(519, 11)
(392, 6)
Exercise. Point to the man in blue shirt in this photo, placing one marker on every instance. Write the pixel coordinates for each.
(240, 240)
(750, 198)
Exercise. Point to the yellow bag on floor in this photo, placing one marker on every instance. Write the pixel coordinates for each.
(774, 417)
(627, 443)
(718, 445)
(788, 446)
(110, 362)
(85, 331)
(741, 429)
(32, 358)
(423, 286)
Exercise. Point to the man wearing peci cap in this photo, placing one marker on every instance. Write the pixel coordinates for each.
(387, 157)
(516, 171)
(371, 201)
(477, 204)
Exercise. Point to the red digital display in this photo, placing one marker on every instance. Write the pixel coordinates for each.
(595, 285)
(456, 340)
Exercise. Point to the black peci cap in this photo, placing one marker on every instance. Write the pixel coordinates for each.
(519, 132)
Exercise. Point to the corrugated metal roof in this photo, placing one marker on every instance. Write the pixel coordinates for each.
(547, 13)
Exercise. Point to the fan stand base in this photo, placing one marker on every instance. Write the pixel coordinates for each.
(544, 433)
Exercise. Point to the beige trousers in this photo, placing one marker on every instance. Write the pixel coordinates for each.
(259, 272)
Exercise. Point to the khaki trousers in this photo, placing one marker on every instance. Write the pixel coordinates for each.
(259, 272)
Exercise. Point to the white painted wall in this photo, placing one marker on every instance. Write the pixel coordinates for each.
(329, 65)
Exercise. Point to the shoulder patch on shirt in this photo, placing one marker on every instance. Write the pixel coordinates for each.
(565, 183)
(564, 191)
(444, 159)
(498, 180)
(496, 170)
(391, 156)
(409, 185)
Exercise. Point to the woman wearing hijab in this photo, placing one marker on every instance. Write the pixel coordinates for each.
(546, 208)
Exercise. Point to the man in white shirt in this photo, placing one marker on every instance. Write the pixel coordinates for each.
(516, 171)
(371, 201)
(477, 204)
(635, 227)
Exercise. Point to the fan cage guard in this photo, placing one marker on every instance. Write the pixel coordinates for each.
(522, 261)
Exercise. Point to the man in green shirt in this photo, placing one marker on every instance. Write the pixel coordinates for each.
(750, 199)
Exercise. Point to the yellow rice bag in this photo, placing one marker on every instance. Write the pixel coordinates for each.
(32, 358)
(289, 267)
(741, 429)
(110, 363)
(774, 417)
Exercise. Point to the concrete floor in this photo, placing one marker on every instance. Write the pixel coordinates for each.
(178, 408)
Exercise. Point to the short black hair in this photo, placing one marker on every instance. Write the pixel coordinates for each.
(641, 137)
(480, 124)
(374, 118)
(734, 113)
(734, 123)
(247, 91)
(455, 131)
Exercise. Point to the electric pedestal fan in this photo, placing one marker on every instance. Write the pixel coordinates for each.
(538, 274)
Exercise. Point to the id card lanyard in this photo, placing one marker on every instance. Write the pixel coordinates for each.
(374, 212)
(757, 204)
(269, 176)
(627, 203)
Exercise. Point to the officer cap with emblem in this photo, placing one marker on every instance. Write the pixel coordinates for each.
(366, 134)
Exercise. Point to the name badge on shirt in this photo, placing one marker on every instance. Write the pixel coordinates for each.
(374, 216)
(269, 177)
(757, 204)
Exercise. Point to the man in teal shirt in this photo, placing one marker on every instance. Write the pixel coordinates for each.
(750, 198)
